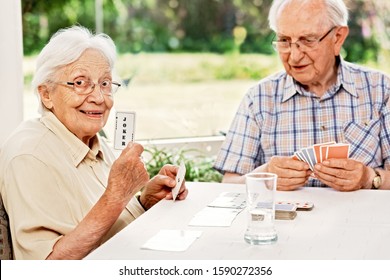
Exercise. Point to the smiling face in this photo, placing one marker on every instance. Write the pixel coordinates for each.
(84, 115)
(316, 69)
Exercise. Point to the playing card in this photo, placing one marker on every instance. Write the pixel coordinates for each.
(285, 206)
(323, 153)
(305, 154)
(214, 217)
(301, 156)
(317, 150)
(312, 155)
(297, 156)
(299, 205)
(172, 240)
(304, 206)
(124, 129)
(179, 180)
(229, 200)
(338, 151)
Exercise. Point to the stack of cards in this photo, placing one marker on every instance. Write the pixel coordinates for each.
(285, 211)
(320, 152)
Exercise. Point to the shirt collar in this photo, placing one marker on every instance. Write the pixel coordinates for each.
(76, 148)
(344, 79)
(290, 88)
(345, 76)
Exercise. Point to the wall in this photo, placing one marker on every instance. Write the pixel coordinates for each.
(11, 69)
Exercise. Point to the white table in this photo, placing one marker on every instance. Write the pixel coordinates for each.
(353, 225)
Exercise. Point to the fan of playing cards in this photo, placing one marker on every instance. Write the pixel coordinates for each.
(320, 152)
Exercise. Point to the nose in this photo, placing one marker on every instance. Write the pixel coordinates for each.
(295, 52)
(96, 95)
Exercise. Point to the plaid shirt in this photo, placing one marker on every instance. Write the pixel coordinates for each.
(278, 117)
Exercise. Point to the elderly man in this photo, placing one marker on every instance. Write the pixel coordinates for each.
(63, 189)
(318, 98)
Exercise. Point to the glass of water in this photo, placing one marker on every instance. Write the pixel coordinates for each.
(260, 208)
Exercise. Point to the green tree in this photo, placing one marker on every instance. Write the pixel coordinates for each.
(196, 25)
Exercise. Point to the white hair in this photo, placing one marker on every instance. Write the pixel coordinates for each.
(65, 47)
(336, 10)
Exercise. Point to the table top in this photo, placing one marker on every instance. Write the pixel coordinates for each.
(342, 225)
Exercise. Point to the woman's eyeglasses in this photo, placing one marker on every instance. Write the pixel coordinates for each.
(83, 86)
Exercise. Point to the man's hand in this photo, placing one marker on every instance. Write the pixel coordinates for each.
(292, 174)
(343, 174)
(161, 185)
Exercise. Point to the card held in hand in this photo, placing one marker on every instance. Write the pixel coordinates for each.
(338, 151)
(320, 152)
(124, 129)
(179, 180)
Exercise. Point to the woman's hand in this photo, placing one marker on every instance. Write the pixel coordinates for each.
(161, 185)
(128, 174)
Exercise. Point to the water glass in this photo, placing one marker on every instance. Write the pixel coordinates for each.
(260, 207)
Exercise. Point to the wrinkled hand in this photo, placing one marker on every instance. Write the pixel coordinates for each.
(292, 174)
(342, 174)
(160, 187)
(128, 174)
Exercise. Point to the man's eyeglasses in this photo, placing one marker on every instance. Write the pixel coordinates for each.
(304, 44)
(83, 86)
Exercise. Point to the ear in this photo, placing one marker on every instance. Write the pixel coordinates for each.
(340, 36)
(44, 93)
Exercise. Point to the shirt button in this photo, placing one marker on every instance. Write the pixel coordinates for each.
(323, 127)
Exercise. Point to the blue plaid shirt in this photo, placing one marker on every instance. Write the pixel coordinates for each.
(277, 116)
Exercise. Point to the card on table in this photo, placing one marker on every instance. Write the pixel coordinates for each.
(229, 200)
(299, 205)
(215, 217)
(181, 173)
(124, 129)
(172, 240)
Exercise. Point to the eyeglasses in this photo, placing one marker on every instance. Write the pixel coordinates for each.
(84, 86)
(304, 44)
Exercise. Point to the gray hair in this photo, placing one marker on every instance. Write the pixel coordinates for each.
(336, 11)
(65, 47)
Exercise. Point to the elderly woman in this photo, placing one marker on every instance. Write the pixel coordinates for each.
(64, 191)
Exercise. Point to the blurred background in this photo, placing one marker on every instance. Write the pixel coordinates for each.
(186, 64)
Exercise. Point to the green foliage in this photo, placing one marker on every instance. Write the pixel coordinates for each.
(194, 25)
(195, 67)
(199, 168)
(242, 67)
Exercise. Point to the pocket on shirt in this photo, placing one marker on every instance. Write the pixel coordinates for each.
(363, 137)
